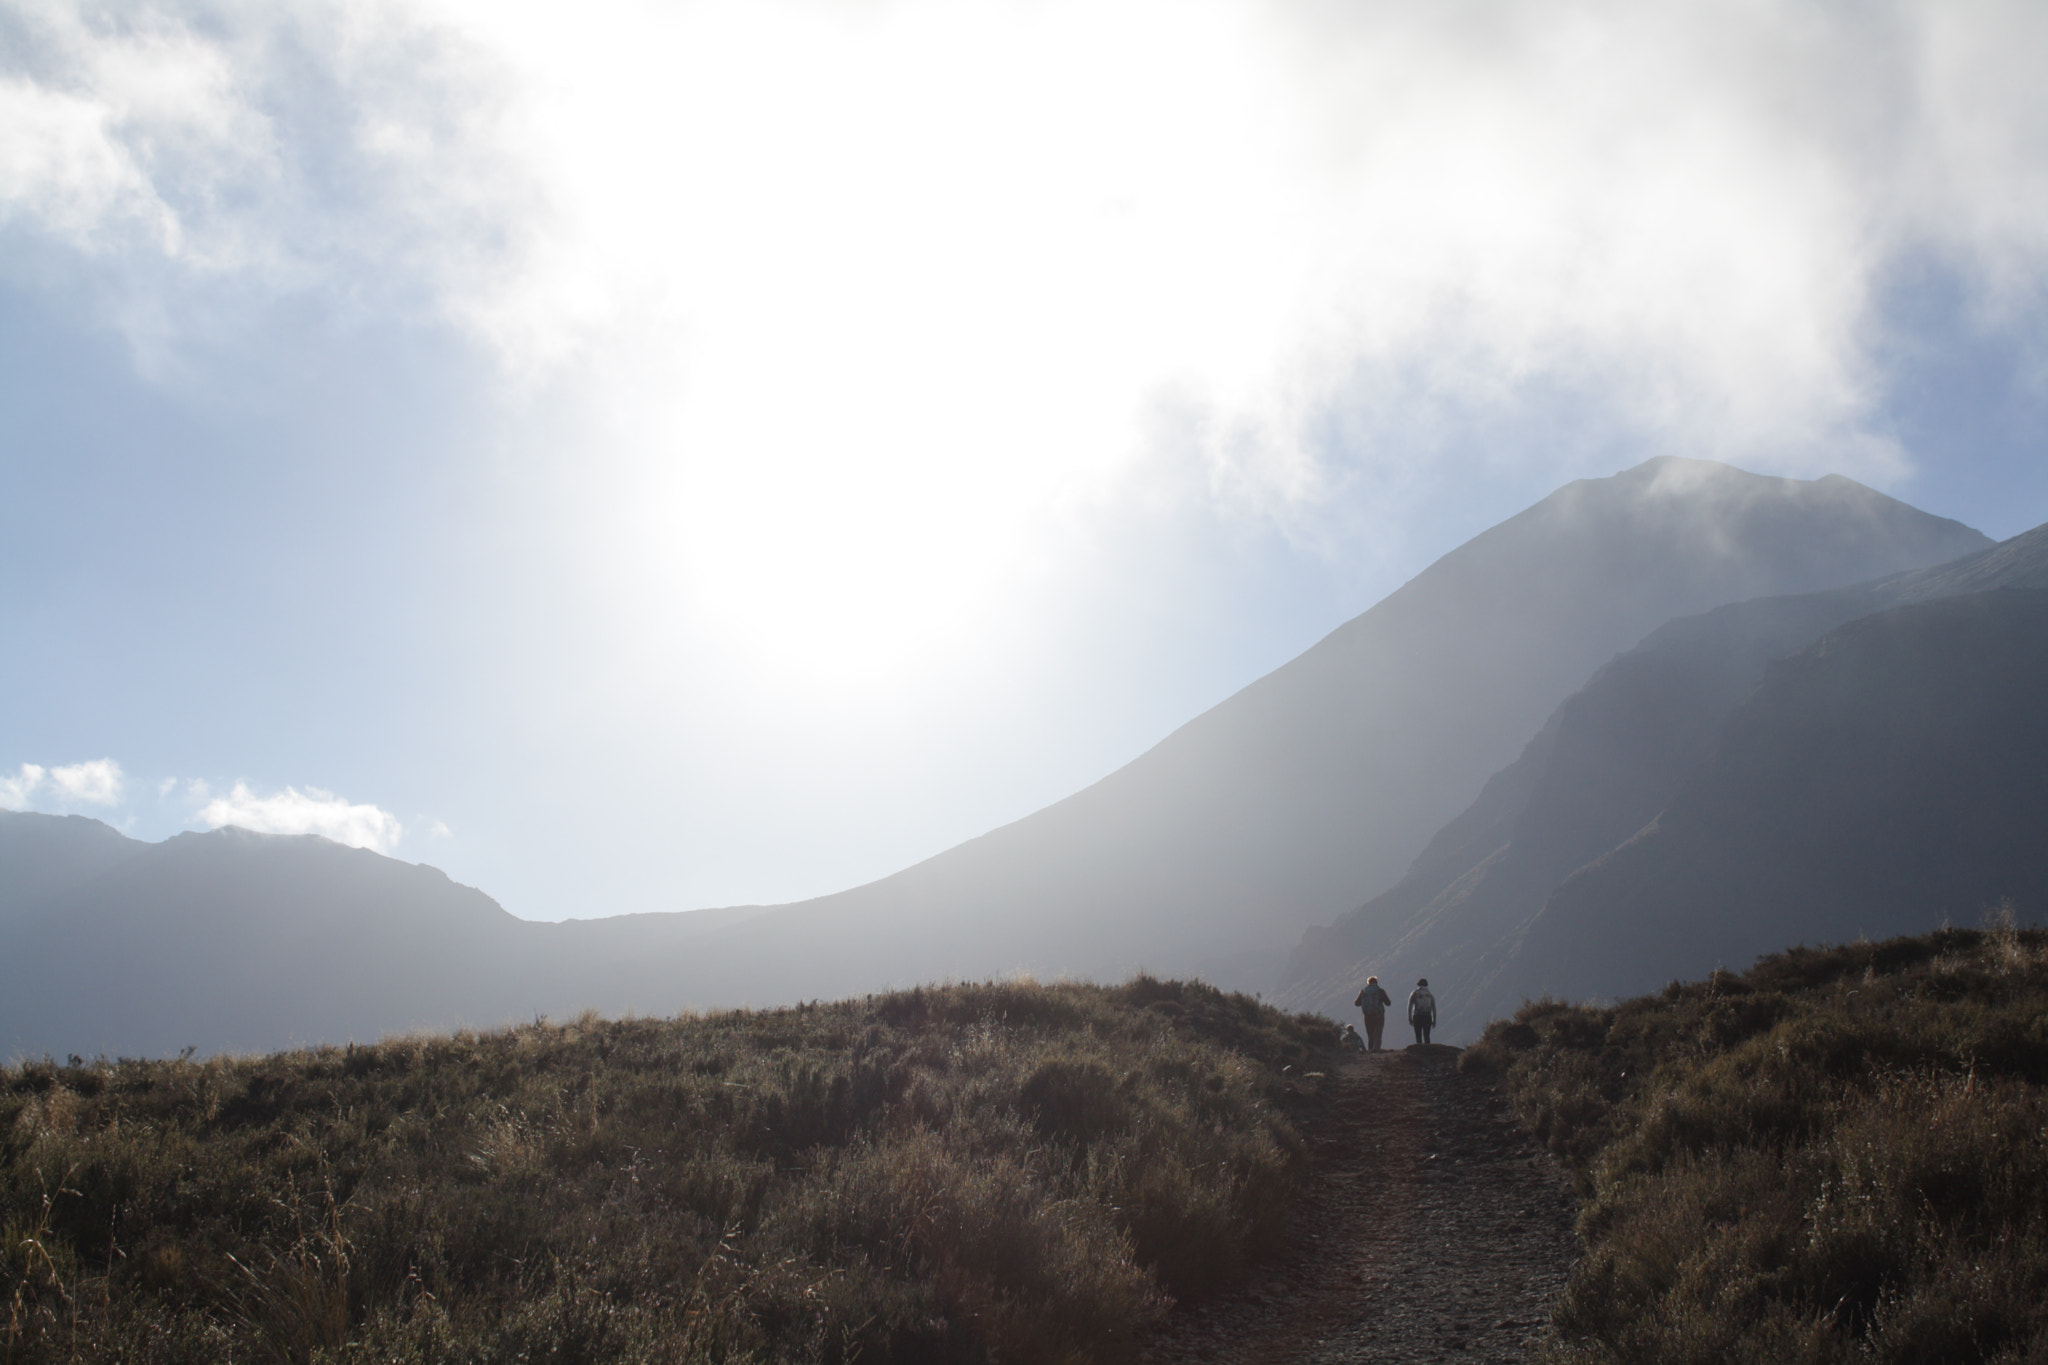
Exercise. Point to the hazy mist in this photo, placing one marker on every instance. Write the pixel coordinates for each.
(1209, 855)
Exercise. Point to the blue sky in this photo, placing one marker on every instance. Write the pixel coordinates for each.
(670, 455)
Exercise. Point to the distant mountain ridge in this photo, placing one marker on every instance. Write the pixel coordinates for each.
(238, 942)
(44, 854)
(1605, 765)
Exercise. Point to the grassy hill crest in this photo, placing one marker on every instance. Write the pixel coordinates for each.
(965, 1173)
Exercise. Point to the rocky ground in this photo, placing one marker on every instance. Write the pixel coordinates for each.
(1433, 1229)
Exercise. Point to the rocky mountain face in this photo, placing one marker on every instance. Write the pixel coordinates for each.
(1606, 764)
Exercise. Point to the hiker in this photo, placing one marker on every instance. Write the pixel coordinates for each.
(1373, 1002)
(1350, 1041)
(1422, 1011)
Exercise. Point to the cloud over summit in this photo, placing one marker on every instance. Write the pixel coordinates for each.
(311, 811)
(983, 240)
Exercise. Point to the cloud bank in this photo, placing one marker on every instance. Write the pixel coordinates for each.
(177, 169)
(101, 785)
(311, 811)
(851, 291)
(99, 782)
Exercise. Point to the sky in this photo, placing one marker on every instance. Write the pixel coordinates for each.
(643, 456)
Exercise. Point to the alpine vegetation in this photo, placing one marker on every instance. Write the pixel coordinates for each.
(966, 1173)
(1834, 1156)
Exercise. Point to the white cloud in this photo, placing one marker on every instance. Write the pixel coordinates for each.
(861, 289)
(884, 287)
(98, 782)
(196, 162)
(59, 166)
(16, 791)
(311, 811)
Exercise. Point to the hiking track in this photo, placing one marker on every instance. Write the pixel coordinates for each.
(1431, 1228)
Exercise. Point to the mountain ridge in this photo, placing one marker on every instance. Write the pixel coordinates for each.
(1886, 778)
(1319, 780)
(1455, 918)
(1205, 856)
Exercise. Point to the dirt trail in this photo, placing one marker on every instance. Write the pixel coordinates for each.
(1432, 1230)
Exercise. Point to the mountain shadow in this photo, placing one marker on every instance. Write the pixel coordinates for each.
(1888, 777)
(1606, 764)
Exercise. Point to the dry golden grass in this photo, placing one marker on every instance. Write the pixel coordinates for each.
(1840, 1155)
(973, 1173)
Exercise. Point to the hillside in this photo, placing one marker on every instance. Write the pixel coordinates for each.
(1605, 765)
(1313, 787)
(44, 855)
(237, 942)
(1891, 776)
(1007, 1172)
(1834, 1156)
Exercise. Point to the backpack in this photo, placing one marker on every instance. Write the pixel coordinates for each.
(1422, 1005)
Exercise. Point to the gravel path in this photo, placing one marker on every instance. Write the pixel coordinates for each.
(1433, 1229)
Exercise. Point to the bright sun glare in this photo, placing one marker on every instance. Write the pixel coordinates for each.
(882, 296)
(903, 283)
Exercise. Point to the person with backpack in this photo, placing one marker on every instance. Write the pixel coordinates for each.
(1373, 1002)
(1422, 1011)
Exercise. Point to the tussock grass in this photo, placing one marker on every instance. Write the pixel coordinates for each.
(1007, 1172)
(1840, 1155)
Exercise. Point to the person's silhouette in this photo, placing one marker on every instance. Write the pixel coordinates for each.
(1373, 1002)
(1421, 1011)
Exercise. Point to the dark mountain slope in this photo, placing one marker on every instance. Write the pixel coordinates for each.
(1316, 784)
(1606, 763)
(41, 853)
(1890, 776)
(233, 941)
(1610, 758)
